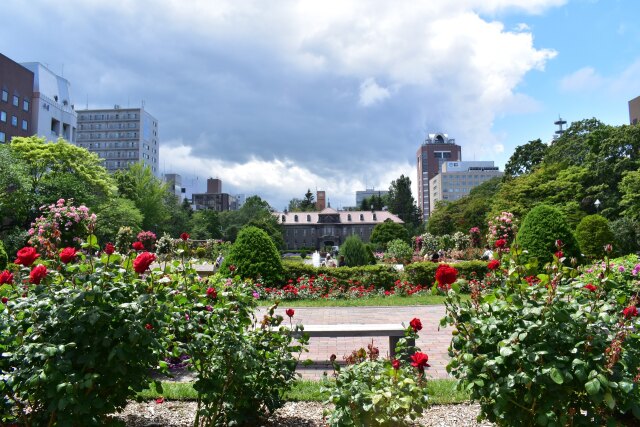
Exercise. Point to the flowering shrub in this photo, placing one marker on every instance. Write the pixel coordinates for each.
(400, 251)
(124, 239)
(165, 247)
(502, 227)
(242, 366)
(60, 224)
(461, 241)
(148, 239)
(78, 338)
(553, 349)
(430, 243)
(375, 392)
(475, 238)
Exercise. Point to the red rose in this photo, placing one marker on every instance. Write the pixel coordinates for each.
(559, 254)
(160, 400)
(419, 360)
(494, 264)
(446, 275)
(631, 311)
(232, 268)
(590, 287)
(396, 364)
(38, 273)
(184, 236)
(143, 261)
(67, 255)
(148, 327)
(608, 248)
(138, 246)
(212, 293)
(290, 312)
(5, 300)
(416, 324)
(6, 277)
(109, 249)
(559, 244)
(501, 243)
(26, 256)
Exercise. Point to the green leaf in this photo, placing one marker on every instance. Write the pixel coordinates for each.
(556, 376)
(506, 351)
(592, 387)
(609, 400)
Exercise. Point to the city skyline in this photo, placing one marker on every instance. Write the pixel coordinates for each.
(335, 96)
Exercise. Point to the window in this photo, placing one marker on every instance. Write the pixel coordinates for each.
(5, 96)
(3, 137)
(3, 116)
(14, 121)
(348, 217)
(361, 217)
(25, 125)
(308, 218)
(295, 218)
(25, 105)
(16, 100)
(284, 219)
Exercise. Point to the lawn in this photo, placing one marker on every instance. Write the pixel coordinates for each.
(441, 392)
(376, 301)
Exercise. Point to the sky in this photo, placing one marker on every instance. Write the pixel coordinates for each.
(277, 97)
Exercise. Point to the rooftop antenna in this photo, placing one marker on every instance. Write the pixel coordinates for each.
(560, 123)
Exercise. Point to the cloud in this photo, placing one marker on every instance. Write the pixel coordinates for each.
(371, 93)
(588, 80)
(280, 88)
(583, 79)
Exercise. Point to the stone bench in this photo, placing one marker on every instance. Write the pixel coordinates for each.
(394, 331)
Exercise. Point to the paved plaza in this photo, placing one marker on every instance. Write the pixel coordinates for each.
(432, 341)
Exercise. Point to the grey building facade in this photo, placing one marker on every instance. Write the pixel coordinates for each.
(121, 136)
(329, 227)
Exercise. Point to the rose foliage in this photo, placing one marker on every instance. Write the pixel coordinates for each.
(560, 348)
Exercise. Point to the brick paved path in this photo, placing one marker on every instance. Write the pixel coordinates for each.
(432, 341)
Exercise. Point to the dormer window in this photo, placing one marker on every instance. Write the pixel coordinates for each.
(284, 218)
(374, 217)
(348, 217)
(295, 218)
(361, 217)
(308, 218)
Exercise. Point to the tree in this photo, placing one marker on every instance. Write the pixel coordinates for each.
(525, 158)
(630, 188)
(255, 257)
(113, 214)
(15, 190)
(307, 204)
(205, 224)
(141, 186)
(441, 220)
(387, 231)
(355, 252)
(402, 203)
(254, 211)
(593, 233)
(375, 202)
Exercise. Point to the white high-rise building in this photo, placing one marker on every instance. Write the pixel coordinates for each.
(121, 136)
(53, 112)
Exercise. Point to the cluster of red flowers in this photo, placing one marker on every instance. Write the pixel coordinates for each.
(143, 261)
(446, 276)
(494, 264)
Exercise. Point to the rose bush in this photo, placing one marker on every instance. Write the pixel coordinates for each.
(558, 348)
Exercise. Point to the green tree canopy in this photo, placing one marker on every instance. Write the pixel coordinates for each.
(525, 158)
(113, 214)
(141, 186)
(402, 203)
(387, 231)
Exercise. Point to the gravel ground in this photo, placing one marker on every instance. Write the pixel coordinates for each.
(293, 414)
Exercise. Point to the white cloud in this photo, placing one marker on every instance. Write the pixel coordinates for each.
(522, 27)
(498, 148)
(583, 79)
(269, 96)
(371, 93)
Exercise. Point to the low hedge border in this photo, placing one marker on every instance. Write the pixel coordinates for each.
(384, 276)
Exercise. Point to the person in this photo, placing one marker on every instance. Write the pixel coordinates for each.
(329, 262)
(218, 262)
(435, 256)
(341, 262)
(488, 254)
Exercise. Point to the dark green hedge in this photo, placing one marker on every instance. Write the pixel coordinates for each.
(379, 275)
(424, 273)
(419, 273)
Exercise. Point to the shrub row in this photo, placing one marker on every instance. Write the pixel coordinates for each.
(384, 276)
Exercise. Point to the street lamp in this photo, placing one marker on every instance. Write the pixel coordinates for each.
(597, 203)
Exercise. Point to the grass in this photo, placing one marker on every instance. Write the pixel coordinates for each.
(389, 301)
(441, 392)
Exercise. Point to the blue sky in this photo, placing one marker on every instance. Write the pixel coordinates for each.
(277, 97)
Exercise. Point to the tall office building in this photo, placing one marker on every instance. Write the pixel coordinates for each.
(436, 149)
(365, 194)
(456, 179)
(121, 136)
(16, 101)
(53, 113)
(634, 111)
